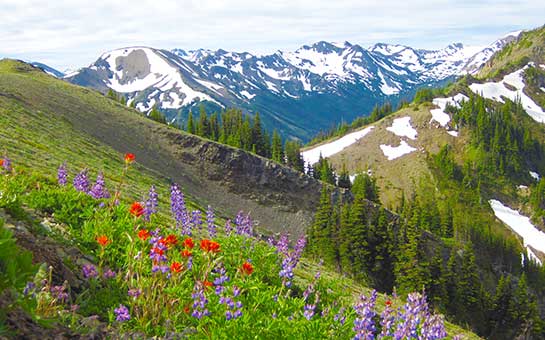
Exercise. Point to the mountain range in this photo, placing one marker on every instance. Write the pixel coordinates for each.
(299, 93)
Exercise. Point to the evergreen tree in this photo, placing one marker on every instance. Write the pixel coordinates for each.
(344, 178)
(190, 124)
(277, 150)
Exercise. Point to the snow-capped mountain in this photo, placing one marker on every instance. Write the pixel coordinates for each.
(48, 69)
(298, 92)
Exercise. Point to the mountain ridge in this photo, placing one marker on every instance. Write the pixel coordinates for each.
(319, 84)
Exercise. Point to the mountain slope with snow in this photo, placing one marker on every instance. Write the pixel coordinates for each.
(298, 92)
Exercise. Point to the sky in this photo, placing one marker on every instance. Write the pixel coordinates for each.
(74, 33)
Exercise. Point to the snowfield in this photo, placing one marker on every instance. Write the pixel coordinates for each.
(313, 155)
(522, 226)
(439, 115)
(498, 90)
(402, 128)
(393, 152)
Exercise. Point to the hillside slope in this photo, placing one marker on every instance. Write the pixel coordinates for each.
(38, 110)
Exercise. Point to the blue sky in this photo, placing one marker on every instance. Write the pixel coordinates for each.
(71, 34)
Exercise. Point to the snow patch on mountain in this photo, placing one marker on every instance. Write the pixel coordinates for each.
(402, 128)
(496, 91)
(439, 115)
(312, 156)
(247, 94)
(393, 152)
(521, 225)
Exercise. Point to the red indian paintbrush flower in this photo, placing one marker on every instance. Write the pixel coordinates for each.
(207, 283)
(171, 240)
(1, 162)
(103, 240)
(129, 158)
(136, 209)
(210, 246)
(176, 267)
(188, 243)
(186, 253)
(143, 234)
(247, 268)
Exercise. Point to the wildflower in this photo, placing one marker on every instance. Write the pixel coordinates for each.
(89, 271)
(220, 279)
(171, 240)
(364, 324)
(179, 211)
(186, 253)
(129, 158)
(103, 240)
(210, 246)
(143, 234)
(157, 255)
(210, 222)
(196, 219)
(62, 175)
(150, 207)
(109, 274)
(207, 283)
(122, 313)
(228, 227)
(247, 268)
(176, 267)
(30, 287)
(99, 189)
(136, 209)
(187, 309)
(134, 292)
(58, 293)
(199, 302)
(81, 182)
(6, 164)
(309, 311)
(188, 243)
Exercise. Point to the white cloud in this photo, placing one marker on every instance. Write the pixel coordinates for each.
(74, 33)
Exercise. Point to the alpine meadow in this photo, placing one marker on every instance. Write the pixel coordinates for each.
(303, 188)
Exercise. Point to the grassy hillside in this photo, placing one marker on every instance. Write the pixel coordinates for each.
(50, 117)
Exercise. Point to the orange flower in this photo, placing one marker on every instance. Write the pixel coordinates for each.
(207, 283)
(247, 268)
(171, 240)
(186, 253)
(187, 309)
(143, 234)
(210, 246)
(388, 302)
(176, 267)
(129, 158)
(1, 162)
(188, 243)
(137, 209)
(103, 240)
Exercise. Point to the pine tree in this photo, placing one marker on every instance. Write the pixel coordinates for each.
(344, 178)
(190, 124)
(321, 233)
(277, 151)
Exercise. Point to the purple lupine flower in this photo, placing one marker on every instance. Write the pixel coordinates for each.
(151, 204)
(29, 288)
(387, 320)
(62, 174)
(134, 292)
(89, 271)
(99, 189)
(6, 164)
(414, 313)
(309, 311)
(58, 293)
(228, 228)
(247, 226)
(234, 308)
(299, 247)
(364, 324)
(199, 302)
(286, 271)
(109, 274)
(196, 219)
(283, 244)
(239, 223)
(220, 279)
(340, 317)
(210, 222)
(179, 210)
(434, 328)
(157, 254)
(81, 182)
(122, 313)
